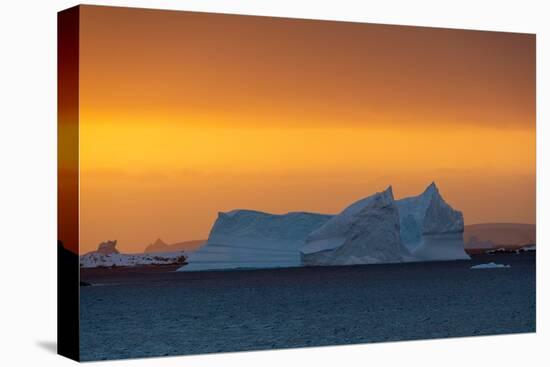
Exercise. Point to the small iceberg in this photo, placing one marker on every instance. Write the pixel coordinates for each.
(490, 265)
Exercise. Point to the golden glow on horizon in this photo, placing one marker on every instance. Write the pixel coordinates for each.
(183, 115)
(165, 147)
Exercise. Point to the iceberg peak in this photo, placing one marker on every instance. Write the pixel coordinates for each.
(430, 228)
(366, 232)
(389, 192)
(431, 190)
(386, 196)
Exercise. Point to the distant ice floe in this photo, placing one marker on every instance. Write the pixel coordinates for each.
(503, 250)
(377, 229)
(529, 248)
(490, 265)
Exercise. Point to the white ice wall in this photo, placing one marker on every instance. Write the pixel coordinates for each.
(249, 239)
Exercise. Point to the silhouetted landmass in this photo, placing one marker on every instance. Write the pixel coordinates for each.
(107, 247)
(160, 246)
(487, 236)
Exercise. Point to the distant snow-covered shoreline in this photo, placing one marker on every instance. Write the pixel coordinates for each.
(96, 259)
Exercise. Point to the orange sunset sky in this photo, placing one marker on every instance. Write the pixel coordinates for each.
(183, 115)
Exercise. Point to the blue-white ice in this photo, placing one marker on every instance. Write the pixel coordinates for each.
(376, 229)
(250, 239)
(366, 232)
(430, 228)
(490, 265)
(412, 211)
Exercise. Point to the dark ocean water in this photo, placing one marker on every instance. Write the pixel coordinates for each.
(142, 314)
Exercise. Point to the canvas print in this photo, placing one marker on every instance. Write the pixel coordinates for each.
(234, 183)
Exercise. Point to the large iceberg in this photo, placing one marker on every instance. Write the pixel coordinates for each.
(430, 228)
(243, 239)
(376, 229)
(366, 232)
